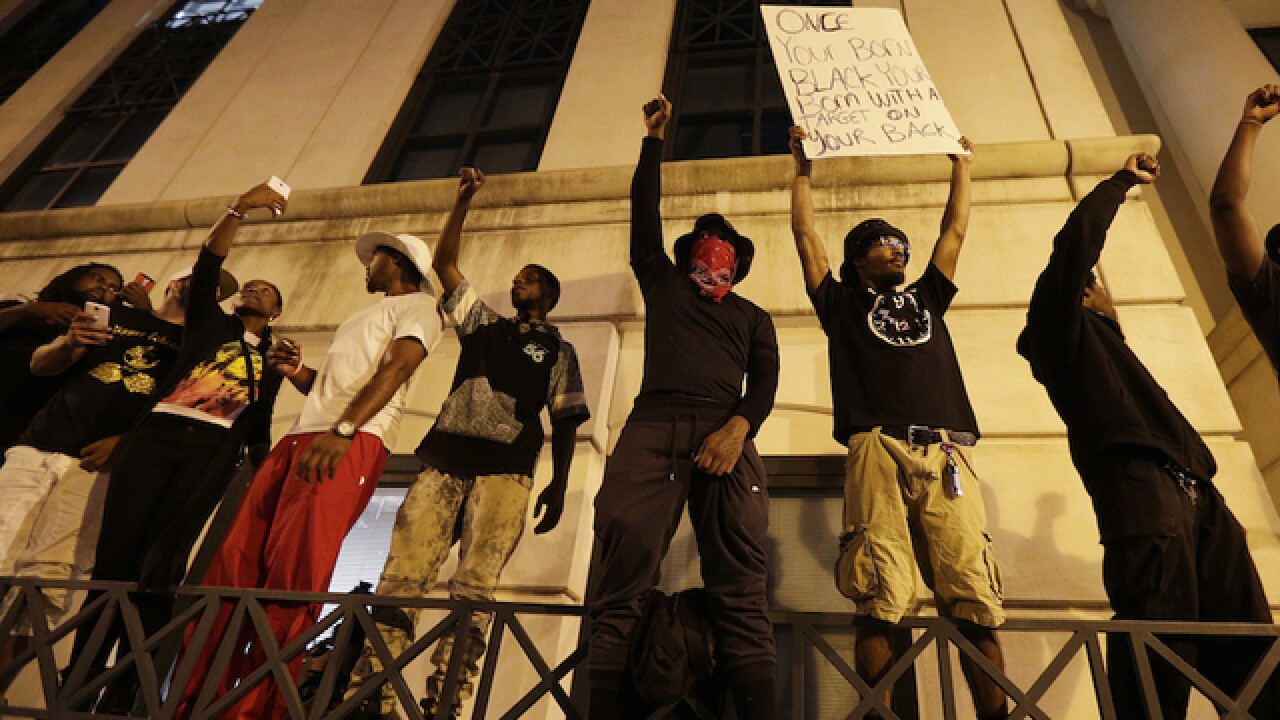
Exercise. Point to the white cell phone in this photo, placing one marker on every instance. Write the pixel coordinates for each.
(279, 186)
(101, 313)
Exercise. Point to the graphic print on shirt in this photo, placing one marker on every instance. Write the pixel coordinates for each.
(476, 410)
(218, 387)
(898, 319)
(536, 352)
(137, 360)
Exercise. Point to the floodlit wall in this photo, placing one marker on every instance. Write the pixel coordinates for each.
(307, 91)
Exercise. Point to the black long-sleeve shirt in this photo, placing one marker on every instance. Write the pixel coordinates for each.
(1103, 392)
(694, 348)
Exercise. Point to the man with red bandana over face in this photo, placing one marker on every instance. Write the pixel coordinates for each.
(900, 406)
(689, 437)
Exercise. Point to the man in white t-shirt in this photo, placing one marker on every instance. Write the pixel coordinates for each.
(317, 480)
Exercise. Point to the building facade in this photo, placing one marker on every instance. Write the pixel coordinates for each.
(349, 102)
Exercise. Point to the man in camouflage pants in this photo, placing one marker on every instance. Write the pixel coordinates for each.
(480, 455)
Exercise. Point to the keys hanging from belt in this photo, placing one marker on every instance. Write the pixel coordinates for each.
(951, 470)
(1189, 484)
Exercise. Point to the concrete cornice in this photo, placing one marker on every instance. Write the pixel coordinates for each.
(1054, 158)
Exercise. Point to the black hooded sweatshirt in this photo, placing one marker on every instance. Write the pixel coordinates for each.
(1103, 392)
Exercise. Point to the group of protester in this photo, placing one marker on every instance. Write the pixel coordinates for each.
(122, 436)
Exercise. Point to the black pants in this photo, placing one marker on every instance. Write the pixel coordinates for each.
(646, 483)
(1169, 556)
(165, 481)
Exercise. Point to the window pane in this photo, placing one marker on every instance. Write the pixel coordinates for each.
(430, 162)
(718, 86)
(504, 157)
(1268, 40)
(523, 102)
(775, 126)
(713, 137)
(116, 114)
(450, 111)
(90, 186)
(38, 191)
(130, 137)
(30, 43)
(83, 140)
(497, 67)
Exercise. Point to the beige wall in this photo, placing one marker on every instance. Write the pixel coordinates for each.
(308, 88)
(575, 222)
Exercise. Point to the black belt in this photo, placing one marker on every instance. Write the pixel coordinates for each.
(925, 435)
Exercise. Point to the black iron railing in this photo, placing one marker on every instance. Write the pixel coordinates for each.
(352, 619)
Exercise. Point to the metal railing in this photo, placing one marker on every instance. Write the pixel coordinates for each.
(63, 693)
(150, 657)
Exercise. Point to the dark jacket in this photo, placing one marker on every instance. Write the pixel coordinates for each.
(1103, 392)
(207, 329)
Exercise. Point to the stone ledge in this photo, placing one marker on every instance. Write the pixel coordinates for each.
(1038, 159)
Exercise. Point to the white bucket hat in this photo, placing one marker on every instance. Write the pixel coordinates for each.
(411, 246)
(227, 283)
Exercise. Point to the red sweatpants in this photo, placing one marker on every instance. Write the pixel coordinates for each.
(286, 536)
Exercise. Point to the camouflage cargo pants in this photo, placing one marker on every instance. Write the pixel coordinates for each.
(491, 511)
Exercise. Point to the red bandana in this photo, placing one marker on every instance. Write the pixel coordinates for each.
(712, 262)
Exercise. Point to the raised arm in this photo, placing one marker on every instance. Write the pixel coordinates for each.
(445, 259)
(401, 358)
(646, 186)
(955, 219)
(813, 254)
(1053, 319)
(1239, 241)
(224, 231)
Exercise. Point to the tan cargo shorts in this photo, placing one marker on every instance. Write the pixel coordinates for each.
(898, 504)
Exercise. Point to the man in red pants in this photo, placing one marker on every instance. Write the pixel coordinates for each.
(315, 483)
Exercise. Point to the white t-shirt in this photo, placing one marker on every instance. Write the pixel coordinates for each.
(355, 355)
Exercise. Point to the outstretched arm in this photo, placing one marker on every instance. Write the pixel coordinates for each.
(322, 456)
(646, 186)
(1239, 241)
(224, 231)
(1053, 318)
(813, 255)
(445, 259)
(955, 219)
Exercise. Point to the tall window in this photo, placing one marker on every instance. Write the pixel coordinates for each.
(1268, 40)
(39, 35)
(487, 92)
(103, 130)
(722, 82)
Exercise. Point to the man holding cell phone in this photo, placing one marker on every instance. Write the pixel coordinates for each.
(51, 487)
(174, 466)
(25, 326)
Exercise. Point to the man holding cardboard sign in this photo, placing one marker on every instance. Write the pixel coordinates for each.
(901, 408)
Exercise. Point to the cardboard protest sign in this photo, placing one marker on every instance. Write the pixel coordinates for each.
(856, 84)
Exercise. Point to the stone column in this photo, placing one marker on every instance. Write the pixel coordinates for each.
(306, 90)
(598, 121)
(1196, 64)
